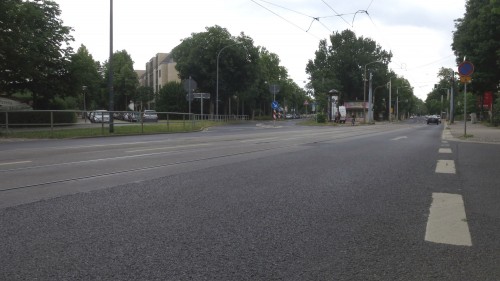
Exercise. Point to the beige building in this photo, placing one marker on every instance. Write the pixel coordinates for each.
(159, 71)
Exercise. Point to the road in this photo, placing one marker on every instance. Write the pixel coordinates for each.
(252, 202)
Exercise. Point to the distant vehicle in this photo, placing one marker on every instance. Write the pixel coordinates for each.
(150, 116)
(433, 119)
(288, 116)
(99, 116)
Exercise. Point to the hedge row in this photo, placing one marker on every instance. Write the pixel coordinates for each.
(37, 117)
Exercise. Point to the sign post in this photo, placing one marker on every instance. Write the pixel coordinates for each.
(465, 69)
(274, 105)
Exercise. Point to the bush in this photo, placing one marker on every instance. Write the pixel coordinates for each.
(496, 113)
(321, 117)
(38, 117)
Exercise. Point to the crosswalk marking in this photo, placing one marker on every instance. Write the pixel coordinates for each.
(447, 222)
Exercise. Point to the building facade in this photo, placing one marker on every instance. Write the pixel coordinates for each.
(159, 71)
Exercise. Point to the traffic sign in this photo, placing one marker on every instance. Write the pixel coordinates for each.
(466, 68)
(189, 85)
(275, 104)
(465, 79)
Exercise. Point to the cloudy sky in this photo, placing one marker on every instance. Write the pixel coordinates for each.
(418, 32)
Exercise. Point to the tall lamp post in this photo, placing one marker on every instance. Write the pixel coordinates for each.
(110, 68)
(84, 89)
(364, 87)
(217, 83)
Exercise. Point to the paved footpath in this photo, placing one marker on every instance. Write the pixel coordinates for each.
(475, 132)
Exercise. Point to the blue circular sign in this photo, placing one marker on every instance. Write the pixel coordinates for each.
(274, 104)
(466, 68)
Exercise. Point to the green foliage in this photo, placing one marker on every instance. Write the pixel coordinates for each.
(244, 72)
(26, 118)
(125, 80)
(86, 81)
(476, 38)
(321, 117)
(144, 95)
(34, 49)
(341, 66)
(172, 98)
(496, 112)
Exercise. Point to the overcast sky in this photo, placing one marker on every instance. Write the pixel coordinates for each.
(418, 32)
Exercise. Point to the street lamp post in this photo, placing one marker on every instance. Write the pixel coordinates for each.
(217, 83)
(84, 89)
(364, 87)
(110, 68)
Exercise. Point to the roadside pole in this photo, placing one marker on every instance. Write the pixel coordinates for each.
(465, 69)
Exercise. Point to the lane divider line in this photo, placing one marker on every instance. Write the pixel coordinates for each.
(447, 222)
(445, 150)
(445, 167)
(13, 163)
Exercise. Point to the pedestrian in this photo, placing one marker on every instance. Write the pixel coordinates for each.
(353, 120)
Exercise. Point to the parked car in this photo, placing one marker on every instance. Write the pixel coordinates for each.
(99, 116)
(132, 117)
(433, 119)
(150, 116)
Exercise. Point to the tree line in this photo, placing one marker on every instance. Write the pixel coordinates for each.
(38, 65)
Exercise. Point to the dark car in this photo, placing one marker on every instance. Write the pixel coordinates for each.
(433, 119)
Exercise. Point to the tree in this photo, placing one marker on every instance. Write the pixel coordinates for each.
(172, 98)
(476, 39)
(84, 72)
(125, 81)
(144, 96)
(34, 50)
(197, 57)
(341, 65)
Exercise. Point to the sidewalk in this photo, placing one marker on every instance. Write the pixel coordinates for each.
(475, 132)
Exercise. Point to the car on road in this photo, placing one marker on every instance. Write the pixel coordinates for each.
(150, 116)
(433, 119)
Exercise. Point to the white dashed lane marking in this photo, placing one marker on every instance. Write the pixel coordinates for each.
(445, 150)
(447, 222)
(445, 167)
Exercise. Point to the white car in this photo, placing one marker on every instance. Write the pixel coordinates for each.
(99, 116)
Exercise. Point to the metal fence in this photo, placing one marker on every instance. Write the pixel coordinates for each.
(101, 121)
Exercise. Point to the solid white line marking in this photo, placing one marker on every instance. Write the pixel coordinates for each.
(400, 138)
(445, 150)
(447, 222)
(168, 147)
(445, 167)
(13, 163)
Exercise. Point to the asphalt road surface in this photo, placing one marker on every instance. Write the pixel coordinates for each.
(252, 202)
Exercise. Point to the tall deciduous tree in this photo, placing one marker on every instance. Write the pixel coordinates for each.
(86, 80)
(197, 57)
(172, 98)
(477, 39)
(125, 81)
(341, 65)
(34, 49)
